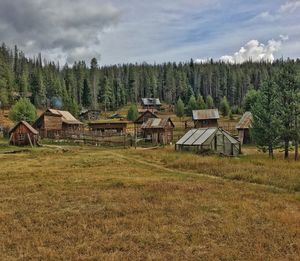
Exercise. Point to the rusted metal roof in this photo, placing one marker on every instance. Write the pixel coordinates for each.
(156, 123)
(206, 114)
(246, 121)
(27, 125)
(151, 102)
(66, 116)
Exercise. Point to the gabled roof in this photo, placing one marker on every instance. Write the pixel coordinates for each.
(156, 123)
(246, 121)
(196, 137)
(151, 102)
(27, 125)
(140, 118)
(208, 114)
(66, 116)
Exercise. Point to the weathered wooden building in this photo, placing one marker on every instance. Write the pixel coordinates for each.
(23, 134)
(89, 115)
(109, 127)
(145, 116)
(158, 131)
(209, 140)
(206, 118)
(52, 123)
(151, 103)
(244, 126)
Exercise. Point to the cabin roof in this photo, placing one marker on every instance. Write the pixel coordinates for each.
(151, 102)
(27, 125)
(66, 116)
(246, 121)
(138, 120)
(208, 114)
(156, 123)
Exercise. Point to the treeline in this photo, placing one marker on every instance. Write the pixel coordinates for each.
(110, 87)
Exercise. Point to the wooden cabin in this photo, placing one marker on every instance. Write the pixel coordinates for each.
(23, 134)
(89, 115)
(145, 116)
(158, 131)
(52, 123)
(109, 127)
(151, 103)
(206, 118)
(244, 126)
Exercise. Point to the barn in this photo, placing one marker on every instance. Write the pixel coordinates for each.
(244, 126)
(52, 123)
(151, 103)
(23, 134)
(158, 131)
(206, 118)
(109, 127)
(209, 139)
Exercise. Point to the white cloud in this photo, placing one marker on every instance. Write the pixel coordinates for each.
(255, 51)
(289, 7)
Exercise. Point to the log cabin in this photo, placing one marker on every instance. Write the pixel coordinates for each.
(206, 118)
(52, 123)
(151, 103)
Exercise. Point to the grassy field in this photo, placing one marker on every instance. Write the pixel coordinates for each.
(85, 203)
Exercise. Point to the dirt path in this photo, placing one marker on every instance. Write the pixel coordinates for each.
(160, 167)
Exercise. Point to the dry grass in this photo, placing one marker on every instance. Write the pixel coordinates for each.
(95, 204)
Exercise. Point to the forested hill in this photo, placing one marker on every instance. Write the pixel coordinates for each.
(109, 87)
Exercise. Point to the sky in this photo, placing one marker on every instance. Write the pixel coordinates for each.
(157, 31)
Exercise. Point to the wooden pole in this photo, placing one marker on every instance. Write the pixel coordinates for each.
(28, 136)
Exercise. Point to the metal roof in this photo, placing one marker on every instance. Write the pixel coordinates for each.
(66, 116)
(197, 137)
(156, 123)
(206, 114)
(151, 101)
(246, 121)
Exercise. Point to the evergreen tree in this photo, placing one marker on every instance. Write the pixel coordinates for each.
(200, 103)
(224, 107)
(265, 129)
(209, 102)
(250, 99)
(192, 105)
(23, 110)
(179, 108)
(132, 114)
(86, 95)
(93, 75)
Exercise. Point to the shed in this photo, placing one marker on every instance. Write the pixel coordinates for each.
(147, 114)
(151, 103)
(244, 126)
(23, 134)
(206, 118)
(52, 122)
(112, 127)
(209, 139)
(90, 115)
(158, 131)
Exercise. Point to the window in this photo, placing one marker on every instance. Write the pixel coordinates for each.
(21, 136)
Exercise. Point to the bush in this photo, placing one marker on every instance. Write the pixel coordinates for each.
(23, 110)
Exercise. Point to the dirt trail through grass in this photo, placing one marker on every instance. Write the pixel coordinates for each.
(175, 171)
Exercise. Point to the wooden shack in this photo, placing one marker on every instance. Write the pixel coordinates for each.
(52, 123)
(23, 134)
(89, 115)
(206, 118)
(151, 103)
(145, 116)
(158, 131)
(244, 126)
(109, 127)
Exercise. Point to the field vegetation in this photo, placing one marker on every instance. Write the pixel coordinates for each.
(87, 203)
